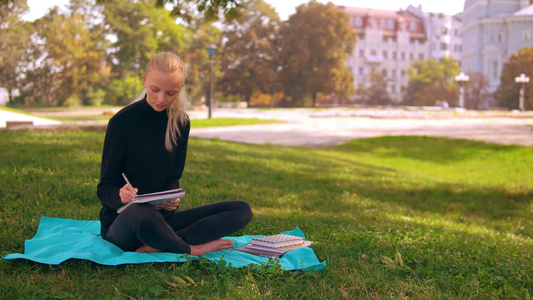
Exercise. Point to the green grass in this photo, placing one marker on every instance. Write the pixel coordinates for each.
(199, 123)
(15, 110)
(394, 217)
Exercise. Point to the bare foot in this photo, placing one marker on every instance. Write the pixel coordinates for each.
(146, 249)
(215, 245)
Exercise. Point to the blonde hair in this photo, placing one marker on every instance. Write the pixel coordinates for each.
(177, 117)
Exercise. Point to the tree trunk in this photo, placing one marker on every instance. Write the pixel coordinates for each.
(314, 99)
(10, 93)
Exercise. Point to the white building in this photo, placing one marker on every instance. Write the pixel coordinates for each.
(387, 41)
(443, 33)
(492, 30)
(390, 41)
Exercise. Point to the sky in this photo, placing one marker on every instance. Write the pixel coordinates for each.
(285, 8)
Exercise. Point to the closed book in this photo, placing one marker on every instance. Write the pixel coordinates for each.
(280, 249)
(277, 240)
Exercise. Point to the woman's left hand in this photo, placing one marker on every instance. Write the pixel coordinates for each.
(169, 205)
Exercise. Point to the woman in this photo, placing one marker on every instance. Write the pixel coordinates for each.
(147, 141)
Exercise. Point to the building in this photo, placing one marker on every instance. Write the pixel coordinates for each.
(492, 30)
(389, 41)
(443, 33)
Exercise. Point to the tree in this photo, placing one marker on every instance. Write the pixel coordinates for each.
(376, 93)
(507, 93)
(184, 8)
(15, 39)
(73, 53)
(140, 30)
(431, 81)
(315, 43)
(476, 92)
(250, 52)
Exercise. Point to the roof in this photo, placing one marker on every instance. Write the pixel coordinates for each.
(526, 11)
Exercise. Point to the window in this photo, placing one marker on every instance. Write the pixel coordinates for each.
(393, 72)
(443, 46)
(420, 56)
(411, 56)
(394, 54)
(372, 22)
(384, 72)
(444, 30)
(411, 40)
(361, 71)
(361, 53)
(361, 37)
(393, 88)
(403, 73)
(382, 23)
(373, 52)
(494, 69)
(358, 21)
(412, 26)
(456, 32)
(403, 55)
(385, 54)
(491, 36)
(526, 35)
(385, 38)
(390, 24)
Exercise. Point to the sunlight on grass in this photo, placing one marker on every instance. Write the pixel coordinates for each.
(458, 213)
(214, 122)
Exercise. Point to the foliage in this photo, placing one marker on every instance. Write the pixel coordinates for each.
(315, 43)
(507, 93)
(250, 52)
(141, 30)
(394, 217)
(14, 42)
(476, 93)
(376, 93)
(67, 56)
(431, 81)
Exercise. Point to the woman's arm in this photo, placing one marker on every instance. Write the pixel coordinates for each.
(110, 174)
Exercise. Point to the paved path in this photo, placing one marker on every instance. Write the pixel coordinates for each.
(8, 116)
(324, 127)
(313, 129)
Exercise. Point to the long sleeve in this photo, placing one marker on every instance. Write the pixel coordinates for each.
(113, 155)
(135, 145)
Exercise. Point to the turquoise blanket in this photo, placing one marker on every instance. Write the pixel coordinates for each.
(58, 240)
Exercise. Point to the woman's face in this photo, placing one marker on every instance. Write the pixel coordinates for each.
(161, 88)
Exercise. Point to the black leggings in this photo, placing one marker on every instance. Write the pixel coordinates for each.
(142, 224)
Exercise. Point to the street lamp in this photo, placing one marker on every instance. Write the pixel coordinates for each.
(522, 79)
(461, 80)
(211, 50)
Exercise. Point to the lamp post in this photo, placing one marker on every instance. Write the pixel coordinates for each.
(522, 79)
(211, 50)
(461, 80)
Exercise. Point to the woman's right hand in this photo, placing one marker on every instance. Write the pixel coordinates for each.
(127, 193)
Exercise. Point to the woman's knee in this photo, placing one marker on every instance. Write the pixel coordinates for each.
(140, 213)
(245, 211)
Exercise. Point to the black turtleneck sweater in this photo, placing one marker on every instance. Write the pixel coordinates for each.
(135, 145)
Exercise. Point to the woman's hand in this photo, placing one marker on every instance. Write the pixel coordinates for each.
(127, 193)
(169, 205)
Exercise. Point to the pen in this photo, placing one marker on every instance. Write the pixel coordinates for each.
(128, 204)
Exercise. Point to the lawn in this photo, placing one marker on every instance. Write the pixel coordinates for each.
(394, 217)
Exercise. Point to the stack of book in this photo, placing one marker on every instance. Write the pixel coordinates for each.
(274, 245)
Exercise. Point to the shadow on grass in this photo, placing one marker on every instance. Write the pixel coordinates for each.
(312, 180)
